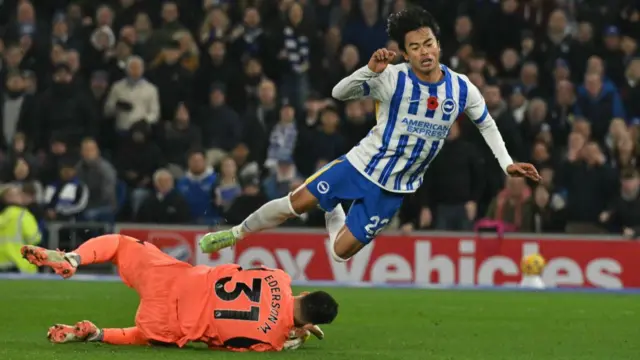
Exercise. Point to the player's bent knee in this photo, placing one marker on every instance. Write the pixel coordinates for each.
(338, 257)
(301, 201)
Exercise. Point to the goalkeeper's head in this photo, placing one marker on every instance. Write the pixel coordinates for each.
(315, 308)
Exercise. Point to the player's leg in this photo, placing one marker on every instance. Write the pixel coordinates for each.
(304, 199)
(87, 331)
(366, 219)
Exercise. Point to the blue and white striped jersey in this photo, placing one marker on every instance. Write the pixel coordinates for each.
(413, 120)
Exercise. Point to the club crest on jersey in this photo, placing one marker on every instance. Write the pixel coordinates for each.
(448, 106)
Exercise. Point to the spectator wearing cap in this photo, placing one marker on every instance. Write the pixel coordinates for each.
(173, 80)
(166, 205)
(221, 126)
(196, 187)
(283, 137)
(623, 213)
(612, 54)
(17, 111)
(65, 108)
(599, 104)
(283, 180)
(67, 196)
(133, 98)
(101, 179)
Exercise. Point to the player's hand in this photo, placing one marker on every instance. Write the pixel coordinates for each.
(605, 216)
(524, 170)
(380, 59)
(472, 210)
(629, 232)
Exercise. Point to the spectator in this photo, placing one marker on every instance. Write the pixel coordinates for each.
(67, 197)
(172, 79)
(562, 112)
(101, 178)
(227, 188)
(589, 185)
(221, 126)
(454, 184)
(17, 113)
(599, 104)
(547, 216)
(630, 91)
(133, 99)
(197, 186)
(283, 179)
(327, 141)
(178, 137)
(295, 54)
(137, 160)
(284, 137)
(367, 31)
(357, 124)
(511, 206)
(623, 214)
(260, 120)
(249, 201)
(23, 176)
(166, 206)
(246, 168)
(18, 228)
(64, 109)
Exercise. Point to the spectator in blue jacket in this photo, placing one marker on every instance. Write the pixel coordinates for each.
(599, 103)
(196, 186)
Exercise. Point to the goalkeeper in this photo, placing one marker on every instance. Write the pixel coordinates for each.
(226, 307)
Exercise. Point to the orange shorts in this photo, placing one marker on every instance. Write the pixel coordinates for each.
(154, 275)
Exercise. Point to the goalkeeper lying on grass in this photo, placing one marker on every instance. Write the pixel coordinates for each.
(226, 307)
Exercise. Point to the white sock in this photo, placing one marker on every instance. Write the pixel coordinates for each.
(335, 221)
(270, 215)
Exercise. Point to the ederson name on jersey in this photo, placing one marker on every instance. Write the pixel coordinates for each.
(413, 120)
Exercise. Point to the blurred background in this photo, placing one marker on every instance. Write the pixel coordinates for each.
(197, 112)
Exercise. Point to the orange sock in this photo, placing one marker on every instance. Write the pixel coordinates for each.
(128, 336)
(98, 250)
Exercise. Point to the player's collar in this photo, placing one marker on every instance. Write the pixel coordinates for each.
(415, 78)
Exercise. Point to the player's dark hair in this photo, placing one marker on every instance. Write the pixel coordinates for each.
(410, 19)
(318, 308)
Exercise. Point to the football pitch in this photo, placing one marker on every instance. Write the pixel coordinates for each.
(407, 324)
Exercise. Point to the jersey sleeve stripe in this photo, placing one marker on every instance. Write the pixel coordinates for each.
(482, 117)
(394, 108)
(415, 98)
(449, 93)
(433, 92)
(417, 149)
(366, 89)
(462, 100)
(424, 164)
(386, 173)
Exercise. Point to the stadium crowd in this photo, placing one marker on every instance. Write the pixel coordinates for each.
(192, 111)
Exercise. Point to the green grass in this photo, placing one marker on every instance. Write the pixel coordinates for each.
(372, 324)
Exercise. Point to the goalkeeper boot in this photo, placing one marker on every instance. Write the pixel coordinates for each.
(82, 331)
(61, 263)
(218, 240)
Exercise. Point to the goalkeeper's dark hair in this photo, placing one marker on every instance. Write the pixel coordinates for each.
(410, 19)
(318, 308)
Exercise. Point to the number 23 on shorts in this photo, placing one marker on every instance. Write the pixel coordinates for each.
(375, 226)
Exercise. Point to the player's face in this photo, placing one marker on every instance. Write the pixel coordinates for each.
(422, 50)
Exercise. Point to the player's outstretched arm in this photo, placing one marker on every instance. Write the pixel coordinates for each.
(374, 80)
(478, 113)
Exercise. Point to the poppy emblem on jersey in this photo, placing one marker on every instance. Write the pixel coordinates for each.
(432, 103)
(448, 106)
